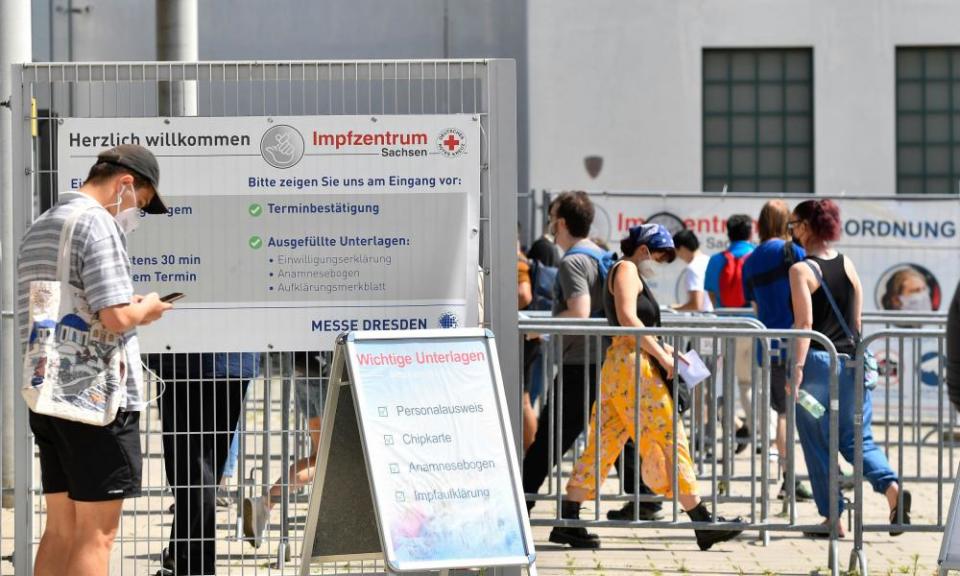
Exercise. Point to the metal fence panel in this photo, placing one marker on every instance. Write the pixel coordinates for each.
(273, 429)
(920, 450)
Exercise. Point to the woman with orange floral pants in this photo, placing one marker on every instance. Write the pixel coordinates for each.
(628, 302)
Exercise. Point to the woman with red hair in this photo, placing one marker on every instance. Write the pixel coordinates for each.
(828, 298)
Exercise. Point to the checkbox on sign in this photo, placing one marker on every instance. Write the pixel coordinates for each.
(382, 411)
(401, 497)
(388, 440)
(394, 468)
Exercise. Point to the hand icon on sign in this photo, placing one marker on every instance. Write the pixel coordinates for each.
(283, 151)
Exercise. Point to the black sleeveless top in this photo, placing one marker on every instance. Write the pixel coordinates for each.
(824, 319)
(648, 311)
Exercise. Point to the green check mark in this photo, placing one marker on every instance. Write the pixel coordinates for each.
(255, 242)
(255, 210)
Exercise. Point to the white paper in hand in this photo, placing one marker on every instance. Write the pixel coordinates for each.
(693, 371)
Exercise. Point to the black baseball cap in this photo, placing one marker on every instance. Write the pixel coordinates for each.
(144, 163)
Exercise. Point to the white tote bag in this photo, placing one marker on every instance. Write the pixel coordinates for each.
(73, 367)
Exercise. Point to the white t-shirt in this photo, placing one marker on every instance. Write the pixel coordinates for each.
(693, 278)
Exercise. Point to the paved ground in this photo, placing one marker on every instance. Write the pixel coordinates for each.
(638, 549)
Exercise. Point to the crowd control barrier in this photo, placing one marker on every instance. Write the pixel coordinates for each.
(752, 492)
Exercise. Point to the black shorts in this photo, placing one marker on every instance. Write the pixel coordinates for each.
(778, 383)
(89, 463)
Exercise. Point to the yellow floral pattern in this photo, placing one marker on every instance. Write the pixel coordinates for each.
(617, 403)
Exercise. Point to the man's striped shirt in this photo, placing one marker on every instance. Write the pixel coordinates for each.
(99, 266)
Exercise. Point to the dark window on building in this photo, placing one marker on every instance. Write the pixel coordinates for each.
(928, 120)
(758, 120)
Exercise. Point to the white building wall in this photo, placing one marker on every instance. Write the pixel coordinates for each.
(622, 80)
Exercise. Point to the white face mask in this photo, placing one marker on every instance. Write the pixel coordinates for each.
(917, 302)
(129, 219)
(647, 268)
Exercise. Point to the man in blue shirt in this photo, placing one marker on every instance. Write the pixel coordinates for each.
(724, 284)
(723, 294)
(766, 284)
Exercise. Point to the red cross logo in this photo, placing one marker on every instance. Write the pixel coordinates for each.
(451, 142)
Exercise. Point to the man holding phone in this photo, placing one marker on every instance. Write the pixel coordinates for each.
(87, 471)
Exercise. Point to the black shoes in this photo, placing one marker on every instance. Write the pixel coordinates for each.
(907, 501)
(573, 537)
(707, 538)
(648, 511)
(743, 439)
(168, 565)
(801, 491)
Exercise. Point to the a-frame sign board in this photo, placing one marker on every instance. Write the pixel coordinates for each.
(949, 558)
(417, 466)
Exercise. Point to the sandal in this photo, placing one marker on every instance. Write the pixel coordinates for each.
(823, 535)
(907, 501)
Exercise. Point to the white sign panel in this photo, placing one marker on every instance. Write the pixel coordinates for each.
(893, 242)
(884, 237)
(286, 231)
(437, 443)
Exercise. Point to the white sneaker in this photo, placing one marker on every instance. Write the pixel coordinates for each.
(255, 518)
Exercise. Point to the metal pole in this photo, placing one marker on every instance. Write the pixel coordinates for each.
(178, 41)
(15, 47)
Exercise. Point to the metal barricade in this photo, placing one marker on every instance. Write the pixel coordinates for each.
(709, 328)
(942, 428)
(269, 436)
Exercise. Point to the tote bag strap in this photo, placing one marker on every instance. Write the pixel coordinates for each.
(66, 242)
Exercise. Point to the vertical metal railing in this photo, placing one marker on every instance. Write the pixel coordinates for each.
(483, 88)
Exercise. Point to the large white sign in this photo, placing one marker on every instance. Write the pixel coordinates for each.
(883, 236)
(893, 242)
(286, 231)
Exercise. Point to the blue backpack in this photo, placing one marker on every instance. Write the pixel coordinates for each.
(605, 260)
(544, 278)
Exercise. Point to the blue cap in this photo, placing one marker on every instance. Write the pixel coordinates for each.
(653, 236)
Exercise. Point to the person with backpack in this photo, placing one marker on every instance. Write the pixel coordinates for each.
(724, 283)
(541, 259)
(578, 294)
(629, 302)
(766, 285)
(828, 298)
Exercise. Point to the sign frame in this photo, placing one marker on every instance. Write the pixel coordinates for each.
(344, 379)
(948, 559)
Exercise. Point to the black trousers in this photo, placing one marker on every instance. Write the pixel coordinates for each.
(536, 461)
(199, 418)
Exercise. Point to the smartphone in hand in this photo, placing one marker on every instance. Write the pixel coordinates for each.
(172, 297)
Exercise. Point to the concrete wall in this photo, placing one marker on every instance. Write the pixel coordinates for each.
(108, 30)
(622, 80)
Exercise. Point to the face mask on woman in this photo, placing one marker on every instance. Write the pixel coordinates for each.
(647, 267)
(917, 302)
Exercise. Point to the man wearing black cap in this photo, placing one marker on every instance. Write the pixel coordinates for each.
(87, 471)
